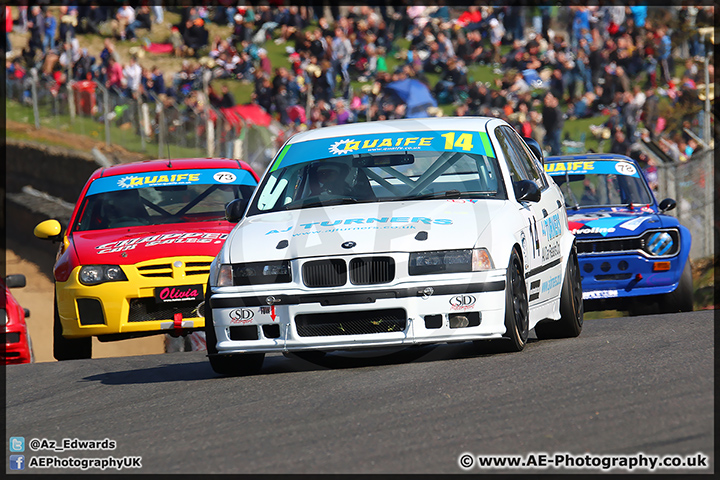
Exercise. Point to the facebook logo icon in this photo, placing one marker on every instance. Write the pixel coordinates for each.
(17, 462)
(17, 444)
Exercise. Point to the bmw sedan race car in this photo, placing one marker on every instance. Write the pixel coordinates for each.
(17, 347)
(394, 233)
(632, 256)
(135, 258)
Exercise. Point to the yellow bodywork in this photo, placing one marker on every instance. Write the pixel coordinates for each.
(116, 297)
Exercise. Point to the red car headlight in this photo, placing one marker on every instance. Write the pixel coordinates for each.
(96, 274)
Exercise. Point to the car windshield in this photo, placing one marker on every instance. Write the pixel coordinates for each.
(600, 183)
(155, 205)
(379, 177)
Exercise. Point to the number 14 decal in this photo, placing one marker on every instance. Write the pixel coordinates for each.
(534, 236)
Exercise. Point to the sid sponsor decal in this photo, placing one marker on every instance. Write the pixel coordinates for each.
(462, 302)
(241, 316)
(153, 240)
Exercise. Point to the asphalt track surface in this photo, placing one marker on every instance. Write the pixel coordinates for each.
(625, 386)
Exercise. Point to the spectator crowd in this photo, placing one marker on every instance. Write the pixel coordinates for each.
(548, 64)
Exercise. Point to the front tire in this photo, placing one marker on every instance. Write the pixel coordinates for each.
(681, 300)
(516, 306)
(571, 306)
(68, 348)
(231, 365)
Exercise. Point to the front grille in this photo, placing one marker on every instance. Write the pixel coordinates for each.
(146, 310)
(351, 323)
(90, 311)
(605, 246)
(203, 266)
(614, 276)
(161, 270)
(372, 270)
(164, 270)
(324, 273)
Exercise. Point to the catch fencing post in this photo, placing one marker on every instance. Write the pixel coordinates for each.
(709, 205)
(161, 128)
(33, 88)
(70, 82)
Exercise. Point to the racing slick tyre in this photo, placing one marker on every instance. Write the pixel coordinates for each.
(68, 348)
(681, 300)
(516, 306)
(232, 365)
(571, 306)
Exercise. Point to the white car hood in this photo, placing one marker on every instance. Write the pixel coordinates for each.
(373, 227)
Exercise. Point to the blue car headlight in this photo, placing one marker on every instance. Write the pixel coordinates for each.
(662, 243)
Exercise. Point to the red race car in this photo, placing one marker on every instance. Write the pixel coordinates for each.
(135, 258)
(18, 348)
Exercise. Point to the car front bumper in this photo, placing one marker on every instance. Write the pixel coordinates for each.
(406, 313)
(627, 275)
(128, 307)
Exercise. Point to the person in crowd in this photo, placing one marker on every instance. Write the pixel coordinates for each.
(49, 33)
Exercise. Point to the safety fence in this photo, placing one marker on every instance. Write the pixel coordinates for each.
(159, 126)
(691, 184)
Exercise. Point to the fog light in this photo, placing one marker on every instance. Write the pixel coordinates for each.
(459, 321)
(661, 266)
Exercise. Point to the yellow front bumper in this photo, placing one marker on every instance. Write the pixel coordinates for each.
(129, 306)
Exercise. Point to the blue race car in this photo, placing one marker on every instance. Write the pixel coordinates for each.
(633, 257)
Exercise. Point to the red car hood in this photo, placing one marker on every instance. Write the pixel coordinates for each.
(127, 246)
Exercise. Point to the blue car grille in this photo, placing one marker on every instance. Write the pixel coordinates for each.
(607, 246)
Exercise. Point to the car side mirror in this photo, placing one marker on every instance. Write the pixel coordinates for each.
(667, 205)
(48, 230)
(15, 281)
(235, 209)
(526, 191)
(535, 148)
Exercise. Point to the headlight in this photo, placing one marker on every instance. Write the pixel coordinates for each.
(257, 273)
(449, 261)
(662, 244)
(95, 274)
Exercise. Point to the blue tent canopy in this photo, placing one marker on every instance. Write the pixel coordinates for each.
(415, 94)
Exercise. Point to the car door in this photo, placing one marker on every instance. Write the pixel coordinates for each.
(544, 220)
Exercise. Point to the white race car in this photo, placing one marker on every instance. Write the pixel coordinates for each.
(394, 233)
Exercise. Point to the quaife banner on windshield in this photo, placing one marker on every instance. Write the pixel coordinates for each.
(175, 177)
(451, 141)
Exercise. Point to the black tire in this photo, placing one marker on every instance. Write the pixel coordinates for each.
(68, 348)
(681, 300)
(571, 306)
(516, 306)
(231, 365)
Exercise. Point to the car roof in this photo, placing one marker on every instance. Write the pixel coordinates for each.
(589, 156)
(172, 164)
(395, 126)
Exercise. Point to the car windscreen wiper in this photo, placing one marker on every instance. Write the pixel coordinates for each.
(433, 195)
(444, 194)
(322, 203)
